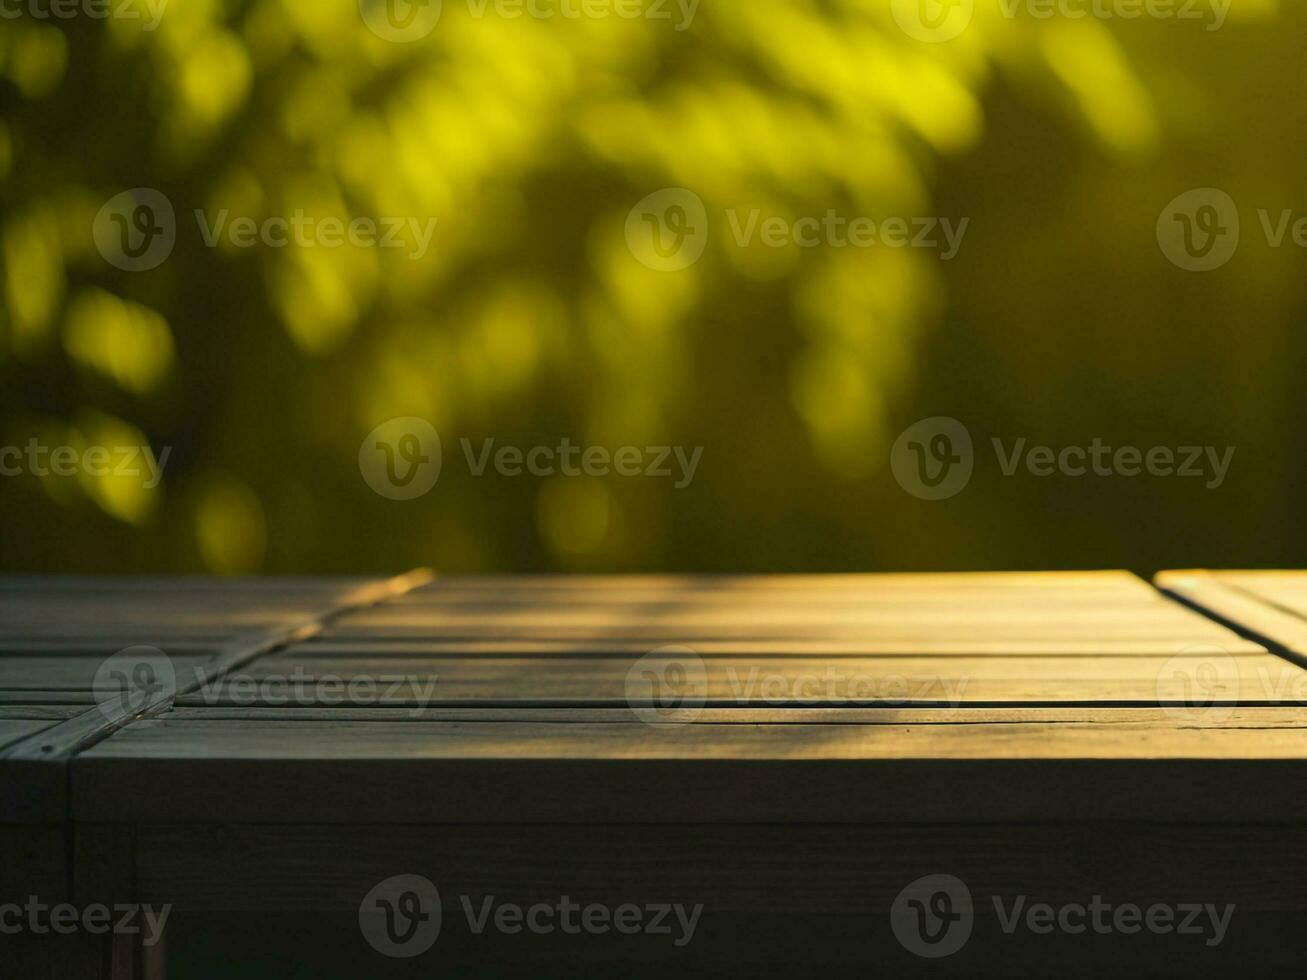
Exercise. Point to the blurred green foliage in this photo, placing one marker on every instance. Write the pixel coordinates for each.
(529, 320)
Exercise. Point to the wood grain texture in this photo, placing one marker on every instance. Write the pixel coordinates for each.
(1268, 607)
(502, 700)
(296, 677)
(807, 747)
(1231, 717)
(814, 869)
(1055, 736)
(854, 614)
(299, 771)
(32, 764)
(1104, 638)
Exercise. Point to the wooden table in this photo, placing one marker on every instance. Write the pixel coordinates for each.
(799, 758)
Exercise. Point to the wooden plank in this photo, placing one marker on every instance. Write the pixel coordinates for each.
(1109, 614)
(871, 645)
(506, 772)
(50, 699)
(182, 584)
(111, 614)
(33, 862)
(775, 901)
(35, 790)
(73, 673)
(14, 730)
(973, 639)
(1167, 719)
(1270, 607)
(532, 766)
(33, 793)
(899, 633)
(1284, 588)
(36, 712)
(292, 677)
(32, 767)
(23, 721)
(58, 742)
(1070, 583)
(490, 791)
(291, 739)
(821, 870)
(98, 646)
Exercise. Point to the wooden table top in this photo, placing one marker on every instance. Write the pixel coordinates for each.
(827, 698)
